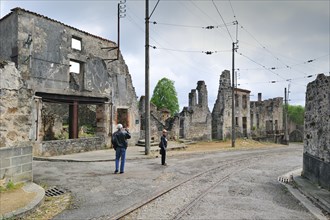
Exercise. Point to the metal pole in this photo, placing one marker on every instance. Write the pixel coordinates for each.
(233, 135)
(118, 30)
(147, 99)
(285, 118)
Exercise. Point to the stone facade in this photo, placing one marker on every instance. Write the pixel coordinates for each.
(61, 64)
(316, 160)
(267, 119)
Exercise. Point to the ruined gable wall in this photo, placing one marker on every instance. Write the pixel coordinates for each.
(316, 161)
(221, 113)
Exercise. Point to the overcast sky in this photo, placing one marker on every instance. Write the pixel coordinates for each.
(280, 43)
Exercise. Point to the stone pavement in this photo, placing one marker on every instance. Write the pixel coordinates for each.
(307, 193)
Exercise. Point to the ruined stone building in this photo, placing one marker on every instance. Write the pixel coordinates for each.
(195, 120)
(62, 70)
(256, 119)
(222, 110)
(267, 119)
(316, 156)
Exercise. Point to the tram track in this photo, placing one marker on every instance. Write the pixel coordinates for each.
(210, 178)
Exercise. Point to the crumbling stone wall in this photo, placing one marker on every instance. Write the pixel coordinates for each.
(221, 113)
(15, 107)
(195, 120)
(62, 147)
(15, 123)
(316, 160)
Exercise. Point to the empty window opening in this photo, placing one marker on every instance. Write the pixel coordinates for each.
(76, 75)
(244, 101)
(75, 67)
(236, 100)
(76, 43)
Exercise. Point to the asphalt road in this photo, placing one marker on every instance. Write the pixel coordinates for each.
(248, 189)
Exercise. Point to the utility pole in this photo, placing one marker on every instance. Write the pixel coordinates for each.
(286, 140)
(233, 132)
(147, 82)
(147, 99)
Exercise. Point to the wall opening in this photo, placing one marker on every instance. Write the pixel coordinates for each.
(122, 117)
(57, 122)
(76, 80)
(76, 43)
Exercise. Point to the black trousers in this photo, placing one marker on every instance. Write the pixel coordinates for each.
(163, 153)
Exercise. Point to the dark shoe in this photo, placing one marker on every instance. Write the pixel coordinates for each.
(116, 171)
(121, 172)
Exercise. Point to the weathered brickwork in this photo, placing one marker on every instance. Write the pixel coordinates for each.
(16, 164)
(316, 163)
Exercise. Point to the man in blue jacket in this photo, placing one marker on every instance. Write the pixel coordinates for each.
(119, 142)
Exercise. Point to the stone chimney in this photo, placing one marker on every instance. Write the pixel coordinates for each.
(202, 93)
(192, 98)
(259, 97)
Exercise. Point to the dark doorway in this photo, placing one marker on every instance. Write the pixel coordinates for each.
(122, 117)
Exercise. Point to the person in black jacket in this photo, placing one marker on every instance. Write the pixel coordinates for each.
(119, 142)
(163, 146)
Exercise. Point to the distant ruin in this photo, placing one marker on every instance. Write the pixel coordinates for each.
(261, 120)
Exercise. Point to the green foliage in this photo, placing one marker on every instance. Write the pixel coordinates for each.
(165, 96)
(10, 186)
(296, 114)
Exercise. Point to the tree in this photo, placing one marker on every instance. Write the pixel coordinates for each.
(296, 114)
(165, 96)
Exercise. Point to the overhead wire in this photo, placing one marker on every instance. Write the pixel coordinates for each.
(193, 26)
(191, 51)
(222, 20)
(169, 50)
